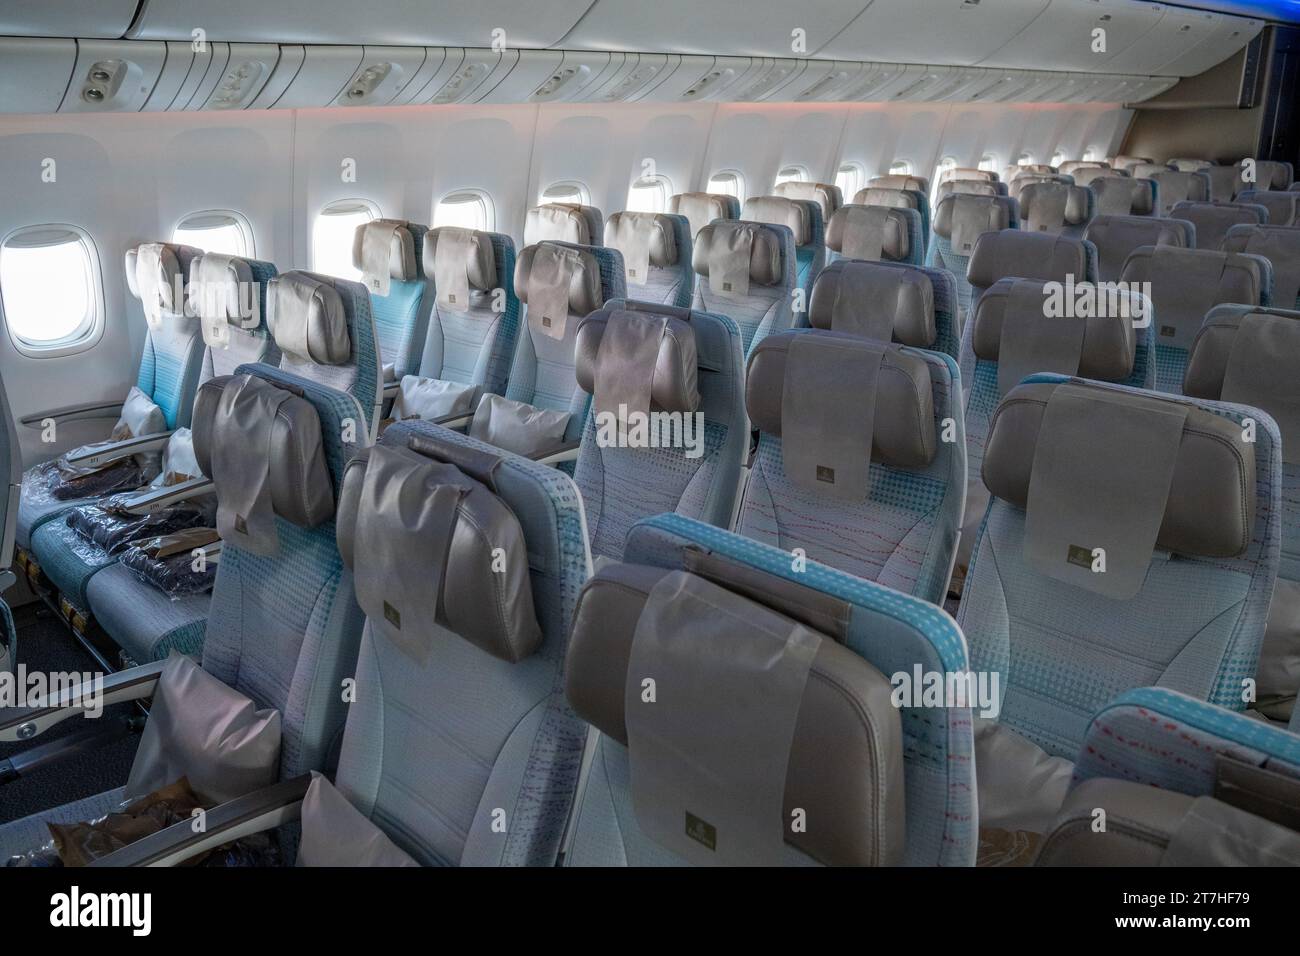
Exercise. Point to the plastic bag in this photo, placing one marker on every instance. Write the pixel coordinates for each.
(48, 483)
(173, 571)
(113, 531)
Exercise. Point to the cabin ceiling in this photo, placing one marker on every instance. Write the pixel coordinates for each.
(256, 54)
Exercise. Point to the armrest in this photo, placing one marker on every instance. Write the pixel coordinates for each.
(96, 456)
(391, 389)
(460, 420)
(72, 413)
(156, 499)
(24, 723)
(254, 812)
(566, 452)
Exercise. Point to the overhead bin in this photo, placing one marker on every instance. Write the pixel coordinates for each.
(322, 77)
(34, 73)
(1062, 35)
(554, 76)
(639, 72)
(453, 23)
(113, 76)
(1179, 32)
(100, 19)
(474, 76)
(1231, 34)
(699, 79)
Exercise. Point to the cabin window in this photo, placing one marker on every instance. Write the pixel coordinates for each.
(466, 209)
(333, 233)
(850, 177)
(567, 191)
(728, 182)
(1058, 157)
(989, 163)
(1025, 159)
(1090, 154)
(649, 194)
(218, 230)
(792, 174)
(50, 290)
(900, 167)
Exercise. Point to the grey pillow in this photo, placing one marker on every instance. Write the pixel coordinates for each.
(517, 426)
(335, 833)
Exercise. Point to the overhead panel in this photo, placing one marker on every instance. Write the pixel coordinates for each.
(700, 79)
(99, 19)
(478, 72)
(384, 72)
(34, 73)
(248, 70)
(535, 24)
(322, 78)
(292, 58)
(825, 81)
(438, 66)
(563, 77)
(640, 71)
(1079, 35)
(952, 32)
(1231, 34)
(1178, 32)
(113, 76)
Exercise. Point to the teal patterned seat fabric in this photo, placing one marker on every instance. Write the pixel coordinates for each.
(283, 630)
(959, 220)
(691, 471)
(878, 233)
(893, 632)
(763, 308)
(1280, 245)
(169, 373)
(401, 314)
(665, 239)
(805, 221)
(437, 747)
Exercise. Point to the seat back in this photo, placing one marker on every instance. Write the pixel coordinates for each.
(888, 302)
(475, 324)
(967, 172)
(1175, 187)
(170, 364)
(325, 332)
(1280, 245)
(968, 187)
(1227, 183)
(1147, 170)
(1274, 175)
(825, 195)
(564, 222)
(676, 378)
(390, 254)
(542, 373)
(898, 181)
(1127, 163)
(228, 294)
(1125, 196)
(1283, 206)
(1075, 595)
(1184, 285)
(1011, 173)
(460, 745)
(284, 624)
(877, 233)
(1184, 783)
(656, 250)
(804, 220)
(1072, 166)
(1028, 255)
(959, 222)
(1091, 175)
(1016, 186)
(827, 773)
(700, 209)
(860, 462)
(899, 199)
(1117, 236)
(1189, 165)
(759, 300)
(1056, 208)
(1214, 219)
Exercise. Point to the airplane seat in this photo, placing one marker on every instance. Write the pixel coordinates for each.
(1131, 540)
(804, 219)
(1117, 236)
(1245, 355)
(1182, 783)
(827, 196)
(700, 209)
(1071, 166)
(543, 412)
(474, 328)
(874, 233)
(1189, 165)
(228, 295)
(1185, 284)
(1013, 335)
(1011, 173)
(1092, 175)
(158, 403)
(968, 173)
(959, 221)
(656, 250)
(564, 222)
(1125, 196)
(1016, 185)
(1028, 255)
(1283, 206)
(861, 459)
(1175, 187)
(1227, 183)
(667, 432)
(1280, 245)
(1128, 163)
(1274, 176)
(746, 272)
(968, 187)
(1214, 219)
(899, 199)
(891, 785)
(919, 303)
(389, 253)
(1056, 208)
(284, 626)
(1148, 170)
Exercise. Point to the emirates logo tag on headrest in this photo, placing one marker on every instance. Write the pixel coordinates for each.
(632, 273)
(701, 831)
(726, 287)
(392, 616)
(546, 321)
(826, 474)
(965, 246)
(241, 525)
(451, 297)
(1168, 331)
(374, 283)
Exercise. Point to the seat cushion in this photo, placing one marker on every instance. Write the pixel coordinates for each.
(144, 621)
(68, 559)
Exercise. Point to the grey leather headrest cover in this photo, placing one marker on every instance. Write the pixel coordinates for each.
(1117, 236)
(1026, 255)
(674, 385)
(306, 316)
(562, 222)
(765, 265)
(904, 429)
(298, 474)
(402, 263)
(1187, 283)
(863, 298)
(1211, 507)
(825, 195)
(584, 282)
(702, 208)
(895, 240)
(917, 184)
(893, 198)
(1076, 201)
(779, 211)
(845, 766)
(220, 289)
(993, 213)
(967, 187)
(662, 241)
(480, 258)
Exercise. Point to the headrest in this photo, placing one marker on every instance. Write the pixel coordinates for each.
(1283, 207)
(1029, 255)
(1117, 236)
(1045, 206)
(261, 445)
(825, 195)
(1273, 175)
(916, 184)
(716, 240)
(1128, 162)
(700, 209)
(584, 274)
(643, 358)
(562, 222)
(1147, 170)
(385, 249)
(431, 545)
(869, 232)
(1117, 196)
(1011, 173)
(1069, 167)
(1190, 165)
(306, 315)
(1028, 318)
(1281, 246)
(840, 740)
(459, 261)
(161, 271)
(880, 301)
(1210, 508)
(968, 187)
(221, 293)
(1091, 175)
(644, 238)
(131, 255)
(903, 431)
(779, 211)
(892, 198)
(967, 172)
(962, 219)
(1176, 187)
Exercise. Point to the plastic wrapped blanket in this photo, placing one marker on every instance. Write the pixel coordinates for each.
(47, 482)
(168, 563)
(112, 531)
